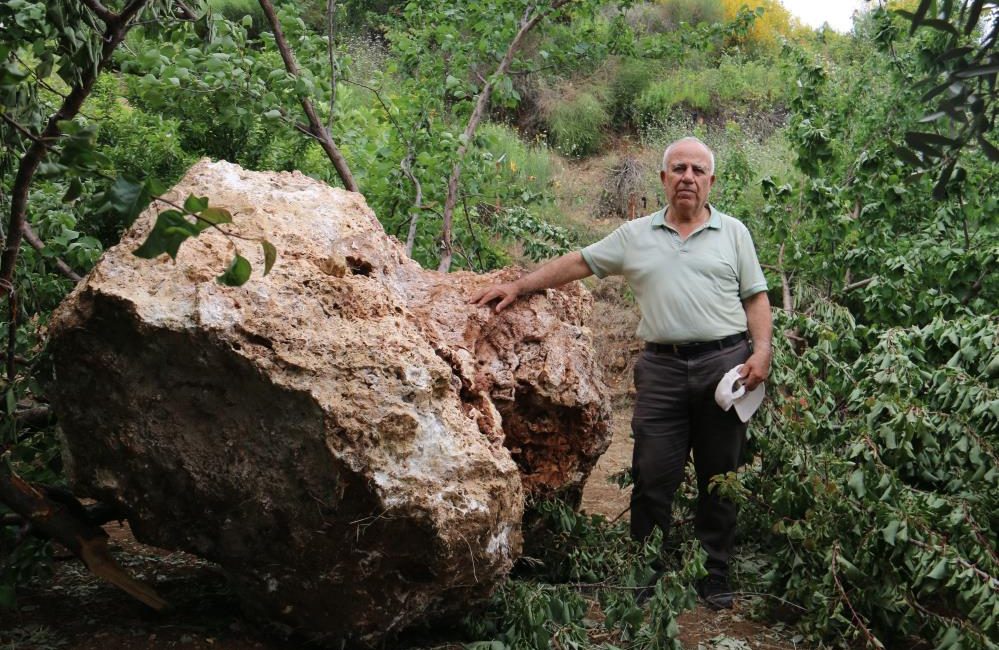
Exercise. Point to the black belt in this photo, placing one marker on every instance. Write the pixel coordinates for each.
(695, 349)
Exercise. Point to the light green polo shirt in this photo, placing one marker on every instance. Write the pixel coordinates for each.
(687, 291)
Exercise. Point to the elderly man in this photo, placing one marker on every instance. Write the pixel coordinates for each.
(700, 289)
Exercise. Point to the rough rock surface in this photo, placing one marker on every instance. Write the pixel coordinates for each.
(346, 437)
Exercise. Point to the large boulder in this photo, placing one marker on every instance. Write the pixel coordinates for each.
(347, 437)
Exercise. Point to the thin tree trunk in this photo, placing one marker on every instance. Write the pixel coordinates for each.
(407, 168)
(527, 23)
(316, 127)
(331, 54)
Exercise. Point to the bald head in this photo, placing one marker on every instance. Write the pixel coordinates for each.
(689, 140)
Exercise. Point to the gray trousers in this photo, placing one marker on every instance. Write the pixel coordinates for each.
(676, 414)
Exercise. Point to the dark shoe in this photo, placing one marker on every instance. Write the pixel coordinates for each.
(715, 592)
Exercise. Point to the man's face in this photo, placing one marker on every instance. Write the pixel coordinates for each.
(687, 178)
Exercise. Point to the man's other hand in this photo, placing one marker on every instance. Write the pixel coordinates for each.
(506, 293)
(755, 369)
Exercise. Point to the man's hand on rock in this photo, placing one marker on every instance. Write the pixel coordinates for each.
(756, 369)
(506, 293)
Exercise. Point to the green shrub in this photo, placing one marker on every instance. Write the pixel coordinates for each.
(733, 84)
(748, 81)
(691, 12)
(137, 143)
(576, 124)
(530, 166)
(631, 78)
(660, 99)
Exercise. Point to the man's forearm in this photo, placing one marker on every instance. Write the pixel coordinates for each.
(760, 321)
(555, 273)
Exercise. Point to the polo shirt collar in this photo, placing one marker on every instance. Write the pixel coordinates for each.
(714, 221)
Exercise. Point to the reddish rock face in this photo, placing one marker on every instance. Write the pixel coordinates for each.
(346, 436)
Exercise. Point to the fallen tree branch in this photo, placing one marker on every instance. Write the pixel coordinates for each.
(784, 284)
(871, 639)
(86, 541)
(787, 301)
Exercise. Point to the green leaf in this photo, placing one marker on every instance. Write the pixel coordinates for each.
(238, 272)
(973, 14)
(990, 150)
(213, 217)
(856, 483)
(939, 571)
(167, 235)
(128, 197)
(919, 15)
(941, 25)
(933, 117)
(906, 156)
(928, 141)
(956, 52)
(890, 531)
(978, 72)
(73, 192)
(195, 204)
(940, 189)
(270, 255)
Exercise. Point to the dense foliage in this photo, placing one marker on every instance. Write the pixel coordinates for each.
(864, 164)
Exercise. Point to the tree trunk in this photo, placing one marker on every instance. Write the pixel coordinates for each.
(316, 127)
(482, 103)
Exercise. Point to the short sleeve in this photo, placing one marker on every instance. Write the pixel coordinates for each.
(606, 257)
(751, 278)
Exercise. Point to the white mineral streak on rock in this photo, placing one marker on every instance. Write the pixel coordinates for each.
(333, 433)
(499, 543)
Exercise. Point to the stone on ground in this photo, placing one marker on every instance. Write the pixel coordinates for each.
(348, 438)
